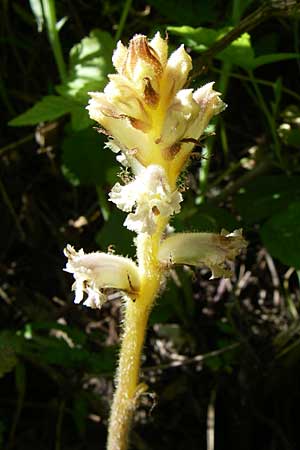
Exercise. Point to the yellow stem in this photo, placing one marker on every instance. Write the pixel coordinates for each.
(135, 322)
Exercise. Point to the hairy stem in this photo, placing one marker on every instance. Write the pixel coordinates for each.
(137, 311)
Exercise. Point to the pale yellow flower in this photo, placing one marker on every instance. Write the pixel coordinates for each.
(96, 272)
(146, 111)
(216, 251)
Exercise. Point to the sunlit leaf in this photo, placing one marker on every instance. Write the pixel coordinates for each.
(49, 108)
(90, 62)
(239, 52)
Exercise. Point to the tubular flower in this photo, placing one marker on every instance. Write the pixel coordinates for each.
(215, 251)
(152, 122)
(95, 272)
(151, 196)
(145, 109)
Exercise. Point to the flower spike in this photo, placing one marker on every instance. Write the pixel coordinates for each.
(152, 122)
(145, 108)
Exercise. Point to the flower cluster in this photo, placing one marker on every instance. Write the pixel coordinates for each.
(149, 193)
(153, 123)
(150, 118)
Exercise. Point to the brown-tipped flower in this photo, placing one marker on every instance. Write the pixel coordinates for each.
(145, 109)
(216, 251)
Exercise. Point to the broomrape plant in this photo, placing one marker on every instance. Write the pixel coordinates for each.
(152, 123)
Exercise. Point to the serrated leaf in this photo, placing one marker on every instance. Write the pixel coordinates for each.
(84, 159)
(281, 235)
(266, 196)
(49, 108)
(89, 65)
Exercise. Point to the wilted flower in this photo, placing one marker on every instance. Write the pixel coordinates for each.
(203, 249)
(150, 195)
(145, 110)
(95, 272)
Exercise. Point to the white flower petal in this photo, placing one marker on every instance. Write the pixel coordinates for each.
(151, 196)
(177, 69)
(95, 272)
(160, 45)
(95, 298)
(119, 57)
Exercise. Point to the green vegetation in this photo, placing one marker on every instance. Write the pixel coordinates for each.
(221, 359)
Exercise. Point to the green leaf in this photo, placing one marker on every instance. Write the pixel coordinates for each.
(80, 118)
(204, 218)
(293, 138)
(198, 39)
(9, 346)
(281, 235)
(49, 108)
(77, 336)
(187, 11)
(84, 159)
(164, 308)
(89, 65)
(266, 196)
(114, 233)
(273, 57)
(239, 52)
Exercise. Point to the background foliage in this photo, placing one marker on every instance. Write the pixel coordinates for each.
(221, 357)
